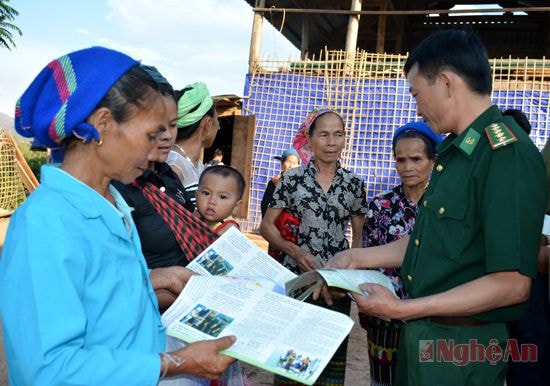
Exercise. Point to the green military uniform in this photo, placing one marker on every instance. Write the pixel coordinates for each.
(546, 157)
(482, 212)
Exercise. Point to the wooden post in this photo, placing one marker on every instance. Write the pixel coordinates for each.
(400, 32)
(381, 37)
(305, 37)
(256, 38)
(351, 36)
(244, 127)
(353, 27)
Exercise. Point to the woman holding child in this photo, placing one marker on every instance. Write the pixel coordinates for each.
(158, 197)
(170, 234)
(324, 197)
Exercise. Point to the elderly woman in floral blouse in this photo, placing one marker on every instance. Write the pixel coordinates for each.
(325, 197)
(391, 216)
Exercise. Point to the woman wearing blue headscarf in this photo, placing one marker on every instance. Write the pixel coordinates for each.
(77, 302)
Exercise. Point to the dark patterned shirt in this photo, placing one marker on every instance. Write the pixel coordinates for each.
(390, 216)
(158, 243)
(323, 216)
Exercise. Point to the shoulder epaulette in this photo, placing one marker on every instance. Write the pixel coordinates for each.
(499, 135)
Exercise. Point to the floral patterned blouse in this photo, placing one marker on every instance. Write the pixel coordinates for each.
(323, 216)
(390, 216)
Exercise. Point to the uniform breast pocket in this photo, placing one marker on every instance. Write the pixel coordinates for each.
(454, 233)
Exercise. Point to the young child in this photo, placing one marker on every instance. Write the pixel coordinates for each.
(220, 191)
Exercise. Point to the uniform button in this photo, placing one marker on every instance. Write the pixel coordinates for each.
(439, 168)
(425, 203)
(416, 242)
(441, 210)
(409, 277)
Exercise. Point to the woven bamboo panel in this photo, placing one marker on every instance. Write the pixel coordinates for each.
(372, 95)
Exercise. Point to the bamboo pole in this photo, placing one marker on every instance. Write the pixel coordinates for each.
(353, 27)
(256, 37)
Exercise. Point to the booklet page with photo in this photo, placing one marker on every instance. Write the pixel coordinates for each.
(274, 332)
(233, 254)
(241, 291)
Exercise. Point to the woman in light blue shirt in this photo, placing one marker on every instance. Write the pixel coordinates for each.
(77, 301)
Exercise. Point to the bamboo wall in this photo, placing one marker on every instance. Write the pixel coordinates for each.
(373, 97)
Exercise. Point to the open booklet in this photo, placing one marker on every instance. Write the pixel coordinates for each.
(301, 287)
(274, 332)
(243, 291)
(233, 254)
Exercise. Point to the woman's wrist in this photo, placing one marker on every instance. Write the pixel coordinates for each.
(169, 363)
(350, 256)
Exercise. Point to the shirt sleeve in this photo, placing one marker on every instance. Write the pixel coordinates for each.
(266, 198)
(44, 315)
(281, 195)
(512, 208)
(369, 228)
(359, 206)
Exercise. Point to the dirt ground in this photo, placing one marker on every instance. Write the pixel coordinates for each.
(357, 372)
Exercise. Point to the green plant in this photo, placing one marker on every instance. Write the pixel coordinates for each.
(35, 158)
(7, 28)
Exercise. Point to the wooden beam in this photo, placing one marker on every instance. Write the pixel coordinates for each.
(381, 36)
(304, 48)
(404, 12)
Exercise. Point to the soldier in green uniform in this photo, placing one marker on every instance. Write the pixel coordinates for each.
(469, 262)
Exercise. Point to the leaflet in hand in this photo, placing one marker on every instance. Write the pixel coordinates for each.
(304, 285)
(546, 226)
(233, 254)
(274, 332)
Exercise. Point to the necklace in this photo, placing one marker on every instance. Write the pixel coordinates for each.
(181, 151)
